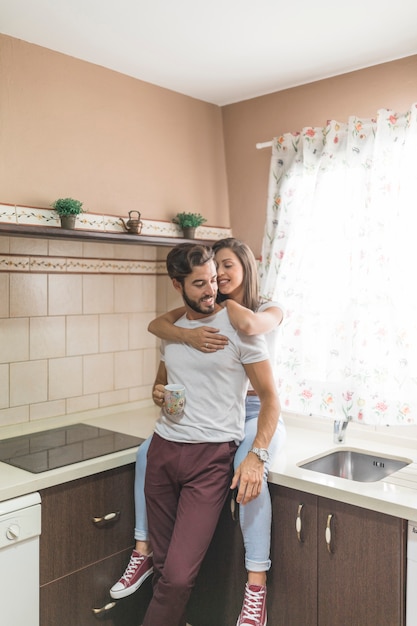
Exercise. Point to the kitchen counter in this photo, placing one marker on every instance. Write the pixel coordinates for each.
(135, 419)
(307, 438)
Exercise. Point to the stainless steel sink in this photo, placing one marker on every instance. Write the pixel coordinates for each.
(355, 465)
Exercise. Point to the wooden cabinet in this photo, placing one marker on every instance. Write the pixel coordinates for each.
(85, 545)
(332, 563)
(292, 580)
(338, 564)
(216, 599)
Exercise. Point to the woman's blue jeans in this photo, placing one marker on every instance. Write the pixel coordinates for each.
(255, 517)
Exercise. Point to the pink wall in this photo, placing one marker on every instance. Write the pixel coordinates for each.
(71, 128)
(390, 85)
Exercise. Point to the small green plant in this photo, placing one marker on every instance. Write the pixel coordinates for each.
(67, 206)
(189, 220)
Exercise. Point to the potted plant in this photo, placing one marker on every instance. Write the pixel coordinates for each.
(188, 222)
(67, 209)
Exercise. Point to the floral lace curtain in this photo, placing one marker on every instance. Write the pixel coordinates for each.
(340, 254)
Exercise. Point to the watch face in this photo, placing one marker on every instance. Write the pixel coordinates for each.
(263, 455)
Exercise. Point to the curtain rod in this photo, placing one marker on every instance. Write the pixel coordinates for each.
(265, 144)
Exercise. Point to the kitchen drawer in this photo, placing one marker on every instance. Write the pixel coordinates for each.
(69, 601)
(70, 538)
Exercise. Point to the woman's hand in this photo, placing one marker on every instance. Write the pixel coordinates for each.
(206, 339)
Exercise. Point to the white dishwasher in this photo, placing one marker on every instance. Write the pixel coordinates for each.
(20, 527)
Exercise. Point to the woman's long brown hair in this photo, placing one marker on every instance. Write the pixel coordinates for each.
(250, 270)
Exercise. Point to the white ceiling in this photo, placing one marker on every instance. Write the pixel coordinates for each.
(220, 51)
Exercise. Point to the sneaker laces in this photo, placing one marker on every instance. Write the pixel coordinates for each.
(132, 566)
(252, 604)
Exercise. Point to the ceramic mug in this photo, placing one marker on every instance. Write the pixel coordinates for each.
(174, 400)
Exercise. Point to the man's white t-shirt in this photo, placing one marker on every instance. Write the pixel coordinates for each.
(215, 384)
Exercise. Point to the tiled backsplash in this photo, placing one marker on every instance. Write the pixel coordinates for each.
(73, 325)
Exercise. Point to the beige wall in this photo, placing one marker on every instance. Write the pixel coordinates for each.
(71, 128)
(390, 85)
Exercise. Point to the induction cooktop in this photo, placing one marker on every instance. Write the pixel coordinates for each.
(50, 449)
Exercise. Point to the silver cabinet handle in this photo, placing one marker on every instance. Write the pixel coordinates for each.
(298, 523)
(106, 519)
(328, 533)
(234, 507)
(104, 609)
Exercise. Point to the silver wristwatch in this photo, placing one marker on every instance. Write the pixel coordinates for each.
(261, 453)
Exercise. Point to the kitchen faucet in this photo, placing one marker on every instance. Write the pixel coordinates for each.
(339, 429)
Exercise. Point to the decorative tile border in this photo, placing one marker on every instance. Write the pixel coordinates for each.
(45, 264)
(14, 263)
(107, 223)
(35, 217)
(8, 214)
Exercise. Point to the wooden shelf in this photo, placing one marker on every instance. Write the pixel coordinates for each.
(54, 232)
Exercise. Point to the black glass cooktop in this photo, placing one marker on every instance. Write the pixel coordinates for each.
(49, 449)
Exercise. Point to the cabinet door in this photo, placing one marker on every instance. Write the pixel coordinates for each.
(292, 581)
(73, 535)
(217, 597)
(69, 601)
(361, 577)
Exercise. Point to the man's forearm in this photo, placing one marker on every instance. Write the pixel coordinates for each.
(261, 376)
(267, 422)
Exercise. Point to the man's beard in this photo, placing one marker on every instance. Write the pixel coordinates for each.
(198, 306)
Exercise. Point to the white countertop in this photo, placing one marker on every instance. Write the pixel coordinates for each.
(307, 438)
